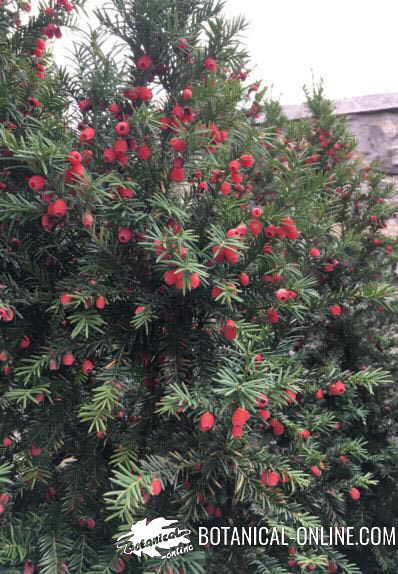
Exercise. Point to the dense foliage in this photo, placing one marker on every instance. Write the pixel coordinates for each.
(196, 303)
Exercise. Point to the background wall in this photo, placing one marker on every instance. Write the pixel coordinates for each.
(374, 121)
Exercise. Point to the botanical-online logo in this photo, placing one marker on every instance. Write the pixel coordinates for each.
(156, 539)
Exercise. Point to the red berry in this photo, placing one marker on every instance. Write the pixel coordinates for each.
(143, 93)
(257, 212)
(262, 400)
(36, 182)
(74, 157)
(143, 152)
(273, 316)
(355, 493)
(182, 44)
(264, 414)
(85, 105)
(144, 62)
(124, 235)
(231, 255)
(225, 187)
(237, 178)
(100, 302)
(179, 280)
(57, 209)
(194, 280)
(240, 417)
(109, 155)
(278, 428)
(335, 310)
(282, 295)
(234, 166)
(87, 219)
(169, 277)
(68, 359)
(206, 422)
(255, 226)
(186, 94)
(87, 366)
(337, 388)
(269, 478)
(246, 160)
(156, 486)
(316, 471)
(25, 342)
(28, 568)
(34, 102)
(210, 64)
(41, 44)
(5, 498)
(125, 192)
(177, 174)
(114, 108)
(178, 144)
(53, 365)
(86, 135)
(215, 292)
(35, 450)
(237, 431)
(120, 147)
(270, 230)
(242, 229)
(230, 330)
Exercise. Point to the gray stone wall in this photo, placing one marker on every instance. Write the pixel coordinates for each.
(377, 135)
(374, 121)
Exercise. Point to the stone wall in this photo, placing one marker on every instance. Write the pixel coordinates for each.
(374, 121)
